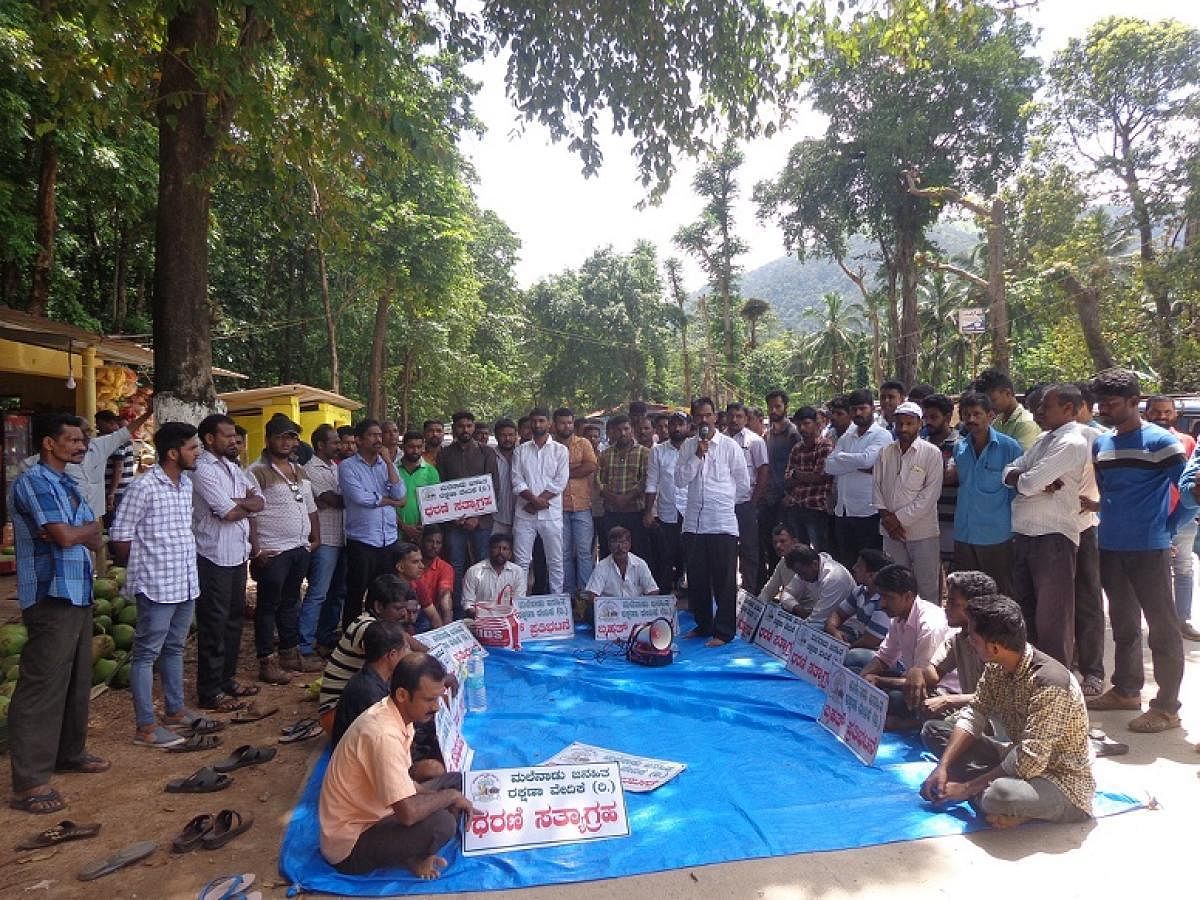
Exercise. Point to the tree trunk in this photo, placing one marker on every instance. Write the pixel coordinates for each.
(678, 294)
(406, 389)
(182, 314)
(335, 370)
(1087, 306)
(120, 280)
(909, 338)
(707, 363)
(46, 224)
(375, 395)
(996, 288)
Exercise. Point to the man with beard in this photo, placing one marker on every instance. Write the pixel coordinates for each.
(505, 431)
(464, 458)
(577, 502)
(746, 507)
(435, 433)
(540, 470)
(416, 474)
(349, 442)
(852, 463)
(622, 478)
(495, 581)
(223, 501)
(781, 438)
(663, 515)
(321, 609)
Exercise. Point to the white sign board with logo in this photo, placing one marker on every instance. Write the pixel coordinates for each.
(750, 614)
(617, 616)
(815, 656)
(520, 809)
(777, 631)
(854, 713)
(449, 501)
(639, 774)
(545, 617)
(453, 645)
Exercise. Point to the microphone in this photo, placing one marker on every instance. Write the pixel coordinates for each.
(704, 432)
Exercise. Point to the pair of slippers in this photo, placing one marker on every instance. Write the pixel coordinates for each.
(300, 731)
(230, 887)
(211, 779)
(211, 832)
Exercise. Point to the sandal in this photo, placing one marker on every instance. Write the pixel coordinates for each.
(245, 755)
(58, 834)
(202, 781)
(189, 724)
(300, 731)
(40, 804)
(229, 824)
(253, 713)
(193, 831)
(196, 742)
(1154, 721)
(223, 703)
(225, 887)
(86, 765)
(119, 860)
(236, 689)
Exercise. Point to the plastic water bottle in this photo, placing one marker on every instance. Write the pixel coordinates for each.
(476, 687)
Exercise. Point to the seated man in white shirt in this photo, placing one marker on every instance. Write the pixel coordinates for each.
(496, 581)
(621, 574)
(821, 583)
(918, 629)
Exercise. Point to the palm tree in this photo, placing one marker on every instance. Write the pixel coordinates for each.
(752, 311)
(939, 299)
(839, 325)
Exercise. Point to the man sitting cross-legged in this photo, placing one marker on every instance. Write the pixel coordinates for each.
(955, 655)
(860, 619)
(1046, 772)
(918, 628)
(372, 813)
(621, 574)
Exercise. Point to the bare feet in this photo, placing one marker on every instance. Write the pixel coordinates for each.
(428, 868)
(997, 821)
(715, 642)
(694, 633)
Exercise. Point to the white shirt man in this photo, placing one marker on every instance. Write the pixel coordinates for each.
(484, 584)
(816, 588)
(540, 470)
(907, 481)
(621, 574)
(669, 499)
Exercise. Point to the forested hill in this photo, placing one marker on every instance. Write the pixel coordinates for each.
(791, 286)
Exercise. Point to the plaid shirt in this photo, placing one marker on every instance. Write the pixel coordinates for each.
(1042, 708)
(622, 471)
(42, 497)
(806, 459)
(155, 516)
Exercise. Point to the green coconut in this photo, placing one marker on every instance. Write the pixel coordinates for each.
(12, 639)
(128, 615)
(102, 625)
(103, 646)
(4, 709)
(105, 588)
(12, 673)
(101, 606)
(7, 688)
(121, 678)
(117, 574)
(103, 671)
(121, 656)
(123, 636)
(118, 604)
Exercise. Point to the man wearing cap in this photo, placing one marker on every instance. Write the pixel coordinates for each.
(907, 481)
(286, 533)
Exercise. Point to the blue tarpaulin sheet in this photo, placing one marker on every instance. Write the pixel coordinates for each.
(762, 778)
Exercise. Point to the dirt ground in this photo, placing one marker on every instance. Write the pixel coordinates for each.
(1118, 856)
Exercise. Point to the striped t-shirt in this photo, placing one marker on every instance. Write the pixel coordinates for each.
(344, 663)
(1135, 472)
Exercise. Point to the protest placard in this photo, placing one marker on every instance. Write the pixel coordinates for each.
(519, 809)
(546, 617)
(448, 501)
(750, 613)
(815, 655)
(617, 616)
(639, 774)
(777, 631)
(453, 645)
(854, 713)
(456, 752)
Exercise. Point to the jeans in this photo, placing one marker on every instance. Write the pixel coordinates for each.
(811, 527)
(323, 567)
(457, 539)
(1183, 569)
(577, 549)
(162, 630)
(279, 579)
(924, 557)
(219, 613)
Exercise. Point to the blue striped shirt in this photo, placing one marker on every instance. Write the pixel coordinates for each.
(41, 497)
(1134, 472)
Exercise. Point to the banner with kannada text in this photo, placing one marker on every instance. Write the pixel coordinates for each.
(639, 774)
(855, 712)
(617, 616)
(546, 617)
(777, 631)
(449, 501)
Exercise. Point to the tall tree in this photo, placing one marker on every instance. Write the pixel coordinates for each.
(837, 327)
(1128, 96)
(674, 270)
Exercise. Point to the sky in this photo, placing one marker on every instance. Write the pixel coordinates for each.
(561, 217)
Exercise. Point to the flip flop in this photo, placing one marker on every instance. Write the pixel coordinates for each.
(86, 765)
(202, 781)
(253, 713)
(245, 755)
(58, 834)
(196, 742)
(1104, 745)
(119, 860)
(51, 799)
(300, 731)
(193, 831)
(225, 887)
(229, 824)
(224, 703)
(196, 725)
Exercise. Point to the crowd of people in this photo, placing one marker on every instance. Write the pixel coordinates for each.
(959, 547)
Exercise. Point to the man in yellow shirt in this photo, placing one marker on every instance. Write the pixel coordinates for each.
(372, 814)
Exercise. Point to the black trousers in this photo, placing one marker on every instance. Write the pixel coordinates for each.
(1089, 606)
(364, 563)
(220, 609)
(769, 515)
(712, 575)
(749, 552)
(388, 844)
(632, 522)
(48, 716)
(279, 578)
(853, 534)
(669, 560)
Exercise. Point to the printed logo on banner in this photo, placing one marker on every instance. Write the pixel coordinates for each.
(453, 645)
(855, 712)
(639, 774)
(546, 617)
(518, 809)
(777, 631)
(448, 501)
(750, 613)
(815, 656)
(617, 616)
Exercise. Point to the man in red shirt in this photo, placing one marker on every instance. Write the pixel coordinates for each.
(436, 584)
(1163, 412)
